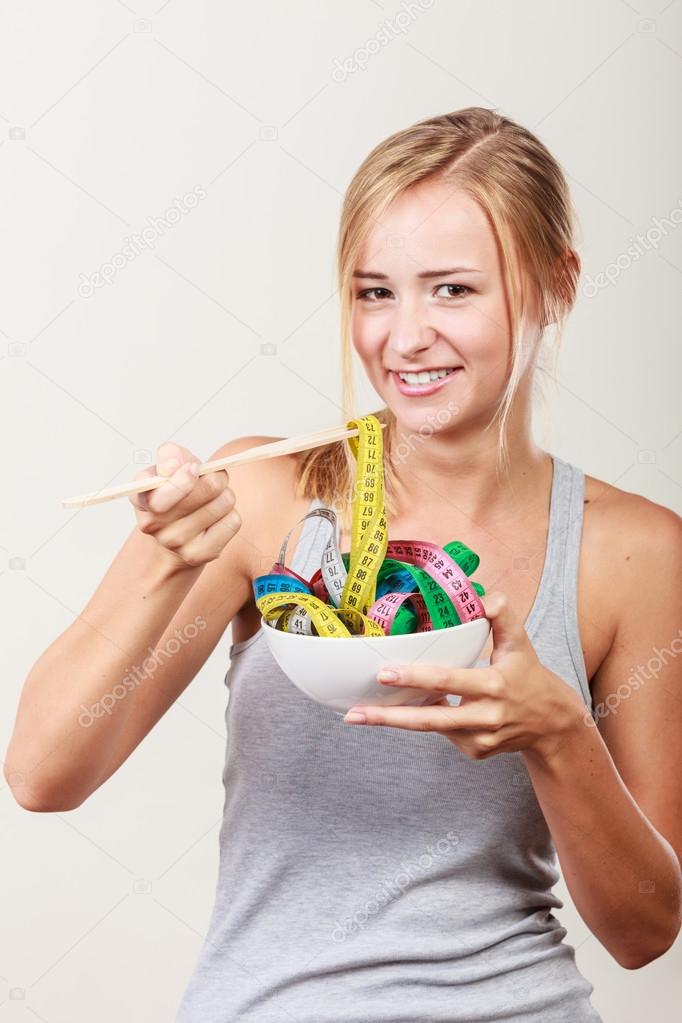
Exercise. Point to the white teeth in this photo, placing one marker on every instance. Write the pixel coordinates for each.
(425, 377)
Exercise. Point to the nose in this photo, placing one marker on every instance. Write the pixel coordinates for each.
(409, 335)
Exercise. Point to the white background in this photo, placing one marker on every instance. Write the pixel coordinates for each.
(108, 112)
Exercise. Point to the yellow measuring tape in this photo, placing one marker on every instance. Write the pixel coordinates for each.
(433, 580)
(369, 541)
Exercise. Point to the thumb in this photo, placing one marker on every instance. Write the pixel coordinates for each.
(170, 456)
(509, 634)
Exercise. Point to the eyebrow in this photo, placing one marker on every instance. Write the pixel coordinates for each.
(373, 275)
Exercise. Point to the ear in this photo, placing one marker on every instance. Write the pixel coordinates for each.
(573, 262)
(568, 269)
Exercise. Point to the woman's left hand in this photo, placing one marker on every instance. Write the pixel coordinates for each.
(515, 704)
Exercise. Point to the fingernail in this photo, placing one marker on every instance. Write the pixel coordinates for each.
(194, 469)
(355, 717)
(387, 675)
(170, 466)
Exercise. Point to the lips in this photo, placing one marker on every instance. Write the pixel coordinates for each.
(423, 369)
(422, 390)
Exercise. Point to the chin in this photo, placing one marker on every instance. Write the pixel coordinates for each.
(423, 423)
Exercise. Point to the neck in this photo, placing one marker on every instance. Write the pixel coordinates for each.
(459, 466)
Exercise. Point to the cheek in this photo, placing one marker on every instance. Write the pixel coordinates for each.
(366, 338)
(483, 335)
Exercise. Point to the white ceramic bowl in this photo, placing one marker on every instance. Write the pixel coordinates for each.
(342, 672)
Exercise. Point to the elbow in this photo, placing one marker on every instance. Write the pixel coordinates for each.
(37, 805)
(636, 962)
(29, 797)
(635, 959)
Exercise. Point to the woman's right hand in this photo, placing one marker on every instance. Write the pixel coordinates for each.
(191, 518)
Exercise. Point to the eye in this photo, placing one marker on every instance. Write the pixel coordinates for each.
(462, 290)
(364, 295)
(378, 294)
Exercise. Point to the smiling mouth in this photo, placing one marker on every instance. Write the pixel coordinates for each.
(425, 376)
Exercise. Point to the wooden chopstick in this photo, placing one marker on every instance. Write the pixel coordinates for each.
(278, 447)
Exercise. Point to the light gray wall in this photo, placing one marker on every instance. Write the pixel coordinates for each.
(108, 112)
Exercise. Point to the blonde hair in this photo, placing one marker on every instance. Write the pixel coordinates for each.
(523, 191)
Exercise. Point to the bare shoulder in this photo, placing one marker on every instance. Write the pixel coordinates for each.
(264, 492)
(628, 523)
(632, 550)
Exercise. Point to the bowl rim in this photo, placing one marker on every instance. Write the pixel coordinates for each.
(413, 637)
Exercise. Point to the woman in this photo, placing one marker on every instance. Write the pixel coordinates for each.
(402, 868)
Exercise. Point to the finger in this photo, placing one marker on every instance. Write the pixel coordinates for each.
(443, 679)
(170, 493)
(438, 717)
(141, 500)
(212, 542)
(508, 630)
(204, 490)
(182, 530)
(170, 456)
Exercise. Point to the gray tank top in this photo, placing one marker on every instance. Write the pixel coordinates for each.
(379, 875)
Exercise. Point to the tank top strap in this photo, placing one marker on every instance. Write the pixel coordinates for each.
(554, 616)
(549, 592)
(572, 530)
(560, 570)
(571, 542)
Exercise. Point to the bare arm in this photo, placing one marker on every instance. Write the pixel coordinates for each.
(107, 679)
(612, 795)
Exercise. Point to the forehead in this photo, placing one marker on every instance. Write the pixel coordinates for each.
(435, 225)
